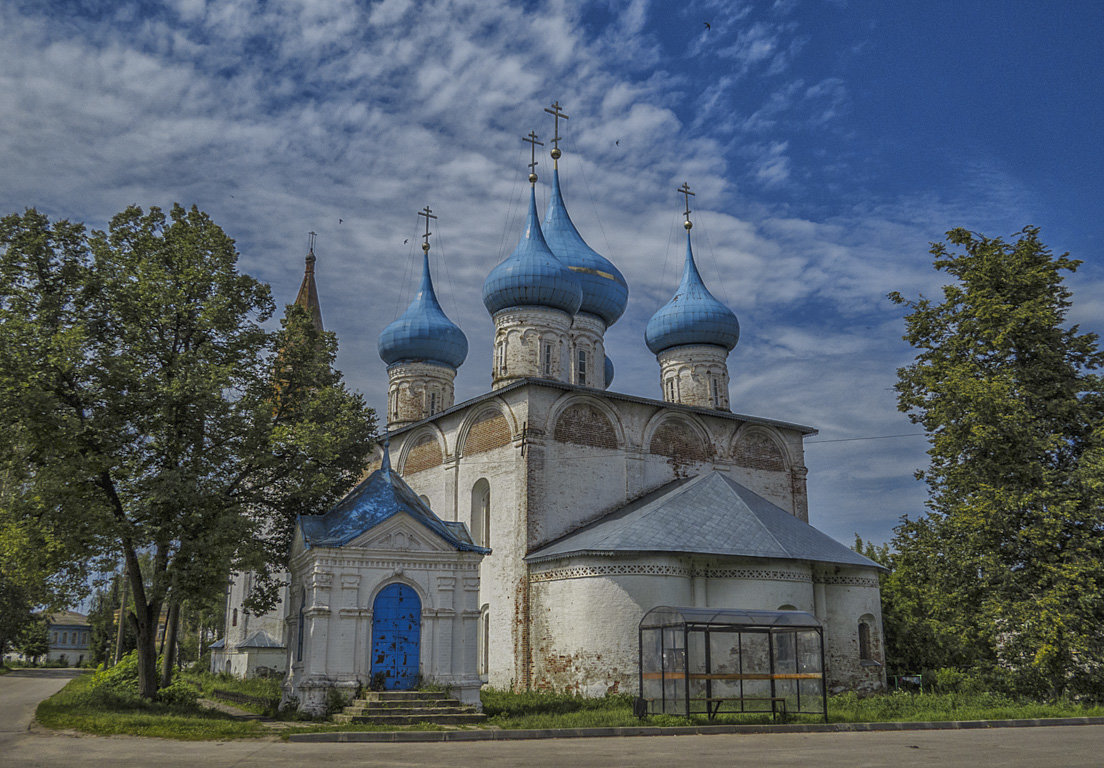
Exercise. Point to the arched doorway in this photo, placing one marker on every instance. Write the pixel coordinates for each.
(396, 636)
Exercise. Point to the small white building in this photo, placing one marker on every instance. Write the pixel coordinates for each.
(384, 595)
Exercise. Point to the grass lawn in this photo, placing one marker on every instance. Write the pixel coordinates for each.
(79, 708)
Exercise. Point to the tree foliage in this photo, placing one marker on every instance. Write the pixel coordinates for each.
(139, 409)
(1006, 571)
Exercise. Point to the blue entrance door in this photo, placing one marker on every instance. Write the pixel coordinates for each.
(396, 633)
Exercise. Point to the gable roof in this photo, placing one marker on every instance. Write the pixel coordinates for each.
(710, 514)
(379, 497)
(260, 639)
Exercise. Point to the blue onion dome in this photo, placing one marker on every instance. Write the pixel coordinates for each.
(605, 292)
(423, 332)
(532, 276)
(692, 316)
(609, 371)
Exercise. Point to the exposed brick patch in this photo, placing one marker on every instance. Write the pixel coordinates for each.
(757, 451)
(490, 432)
(583, 424)
(678, 441)
(426, 454)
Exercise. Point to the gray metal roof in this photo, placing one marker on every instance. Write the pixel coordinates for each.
(710, 514)
(260, 639)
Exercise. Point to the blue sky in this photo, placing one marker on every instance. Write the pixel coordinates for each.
(828, 143)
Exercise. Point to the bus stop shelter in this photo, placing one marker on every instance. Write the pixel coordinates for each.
(711, 661)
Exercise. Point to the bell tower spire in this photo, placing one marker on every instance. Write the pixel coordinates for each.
(307, 298)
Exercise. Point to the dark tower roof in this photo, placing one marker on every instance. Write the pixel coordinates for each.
(308, 293)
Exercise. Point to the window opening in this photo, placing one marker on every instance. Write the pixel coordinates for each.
(481, 513)
(547, 359)
(432, 403)
(299, 629)
(864, 642)
(581, 368)
(484, 640)
(234, 620)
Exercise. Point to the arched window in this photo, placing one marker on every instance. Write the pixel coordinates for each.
(547, 364)
(481, 513)
(299, 628)
(484, 640)
(500, 357)
(432, 403)
(581, 368)
(865, 650)
(234, 619)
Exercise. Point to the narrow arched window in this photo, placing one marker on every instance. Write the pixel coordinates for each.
(432, 403)
(547, 360)
(481, 513)
(484, 641)
(234, 619)
(581, 368)
(299, 628)
(865, 652)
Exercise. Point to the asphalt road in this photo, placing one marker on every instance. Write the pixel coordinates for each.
(1048, 747)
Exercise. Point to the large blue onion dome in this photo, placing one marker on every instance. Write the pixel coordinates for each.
(532, 276)
(609, 371)
(423, 332)
(692, 316)
(605, 292)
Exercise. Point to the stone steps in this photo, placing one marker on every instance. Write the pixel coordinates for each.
(408, 708)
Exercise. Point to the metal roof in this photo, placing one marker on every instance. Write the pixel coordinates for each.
(423, 331)
(692, 316)
(605, 291)
(532, 276)
(379, 497)
(670, 616)
(260, 639)
(710, 514)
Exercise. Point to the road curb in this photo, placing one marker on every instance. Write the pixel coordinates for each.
(688, 730)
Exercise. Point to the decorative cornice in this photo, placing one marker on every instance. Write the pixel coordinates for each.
(635, 569)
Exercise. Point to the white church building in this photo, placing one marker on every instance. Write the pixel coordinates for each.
(573, 509)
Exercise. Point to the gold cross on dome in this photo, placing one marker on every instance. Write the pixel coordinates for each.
(554, 110)
(310, 246)
(684, 190)
(532, 139)
(428, 214)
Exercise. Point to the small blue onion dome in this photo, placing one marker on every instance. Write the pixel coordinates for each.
(423, 332)
(692, 316)
(532, 276)
(609, 371)
(605, 292)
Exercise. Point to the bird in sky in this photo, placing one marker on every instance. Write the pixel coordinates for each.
(708, 25)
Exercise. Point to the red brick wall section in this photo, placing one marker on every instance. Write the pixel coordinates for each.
(678, 441)
(491, 431)
(583, 424)
(757, 451)
(426, 454)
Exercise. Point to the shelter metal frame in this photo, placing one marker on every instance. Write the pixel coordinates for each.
(679, 674)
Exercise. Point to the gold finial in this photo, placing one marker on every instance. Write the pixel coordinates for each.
(532, 139)
(428, 214)
(554, 110)
(684, 190)
(310, 250)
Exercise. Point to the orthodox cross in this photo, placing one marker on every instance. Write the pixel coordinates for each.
(310, 251)
(684, 190)
(532, 139)
(428, 214)
(554, 110)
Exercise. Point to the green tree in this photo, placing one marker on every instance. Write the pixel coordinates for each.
(139, 408)
(34, 638)
(1006, 571)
